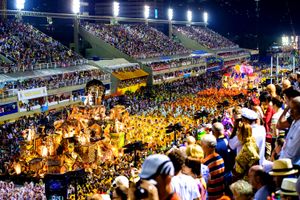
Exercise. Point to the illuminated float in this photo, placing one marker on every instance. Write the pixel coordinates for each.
(87, 137)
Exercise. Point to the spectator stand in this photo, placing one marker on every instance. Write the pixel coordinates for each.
(232, 57)
(213, 42)
(132, 42)
(59, 83)
(29, 49)
(168, 69)
(125, 76)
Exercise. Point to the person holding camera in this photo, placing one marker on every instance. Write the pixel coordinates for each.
(155, 180)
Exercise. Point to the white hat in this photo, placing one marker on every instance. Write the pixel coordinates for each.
(121, 181)
(155, 165)
(288, 187)
(282, 167)
(249, 114)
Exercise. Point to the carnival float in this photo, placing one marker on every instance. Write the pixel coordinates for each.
(87, 137)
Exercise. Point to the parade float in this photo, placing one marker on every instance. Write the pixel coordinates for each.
(241, 77)
(87, 137)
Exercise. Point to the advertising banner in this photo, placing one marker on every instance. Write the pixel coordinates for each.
(32, 93)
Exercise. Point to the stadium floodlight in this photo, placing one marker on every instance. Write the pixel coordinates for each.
(205, 17)
(20, 4)
(170, 14)
(76, 6)
(285, 40)
(146, 11)
(116, 9)
(189, 16)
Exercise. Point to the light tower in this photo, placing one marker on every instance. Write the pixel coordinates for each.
(189, 17)
(205, 18)
(146, 13)
(170, 18)
(116, 11)
(76, 11)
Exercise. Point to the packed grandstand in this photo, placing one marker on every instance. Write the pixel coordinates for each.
(199, 126)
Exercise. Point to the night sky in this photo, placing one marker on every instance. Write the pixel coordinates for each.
(239, 20)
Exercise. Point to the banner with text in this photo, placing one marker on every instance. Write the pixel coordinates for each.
(32, 93)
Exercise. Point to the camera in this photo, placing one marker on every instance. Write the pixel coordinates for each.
(140, 192)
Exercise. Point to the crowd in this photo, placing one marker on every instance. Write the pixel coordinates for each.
(171, 75)
(138, 41)
(127, 69)
(28, 191)
(233, 53)
(131, 82)
(206, 37)
(27, 47)
(159, 66)
(53, 82)
(231, 62)
(229, 143)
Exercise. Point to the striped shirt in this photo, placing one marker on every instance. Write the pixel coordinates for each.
(215, 186)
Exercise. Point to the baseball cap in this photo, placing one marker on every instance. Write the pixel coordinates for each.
(155, 165)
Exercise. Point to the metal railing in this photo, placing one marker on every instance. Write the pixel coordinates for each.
(61, 84)
(39, 66)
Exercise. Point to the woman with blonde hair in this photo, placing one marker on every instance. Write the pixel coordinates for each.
(249, 154)
(195, 169)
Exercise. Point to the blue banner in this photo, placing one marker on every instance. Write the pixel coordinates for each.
(8, 109)
(213, 69)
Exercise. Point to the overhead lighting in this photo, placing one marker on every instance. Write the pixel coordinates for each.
(76, 6)
(189, 16)
(146, 11)
(205, 17)
(116, 9)
(20, 4)
(170, 14)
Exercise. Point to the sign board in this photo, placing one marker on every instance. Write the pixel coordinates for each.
(32, 93)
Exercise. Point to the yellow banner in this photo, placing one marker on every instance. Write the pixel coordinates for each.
(132, 88)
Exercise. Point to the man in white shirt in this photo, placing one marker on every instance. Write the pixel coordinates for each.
(291, 147)
(185, 186)
(258, 132)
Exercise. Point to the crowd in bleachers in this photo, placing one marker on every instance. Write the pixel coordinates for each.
(206, 37)
(138, 41)
(131, 82)
(28, 48)
(183, 62)
(53, 82)
(171, 75)
(127, 69)
(232, 62)
(228, 54)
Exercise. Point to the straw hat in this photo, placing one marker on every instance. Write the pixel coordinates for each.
(288, 187)
(282, 167)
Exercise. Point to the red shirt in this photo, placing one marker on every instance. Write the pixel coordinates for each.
(268, 118)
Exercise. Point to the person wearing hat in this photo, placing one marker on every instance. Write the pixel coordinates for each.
(157, 172)
(258, 132)
(215, 163)
(281, 169)
(288, 189)
(291, 147)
